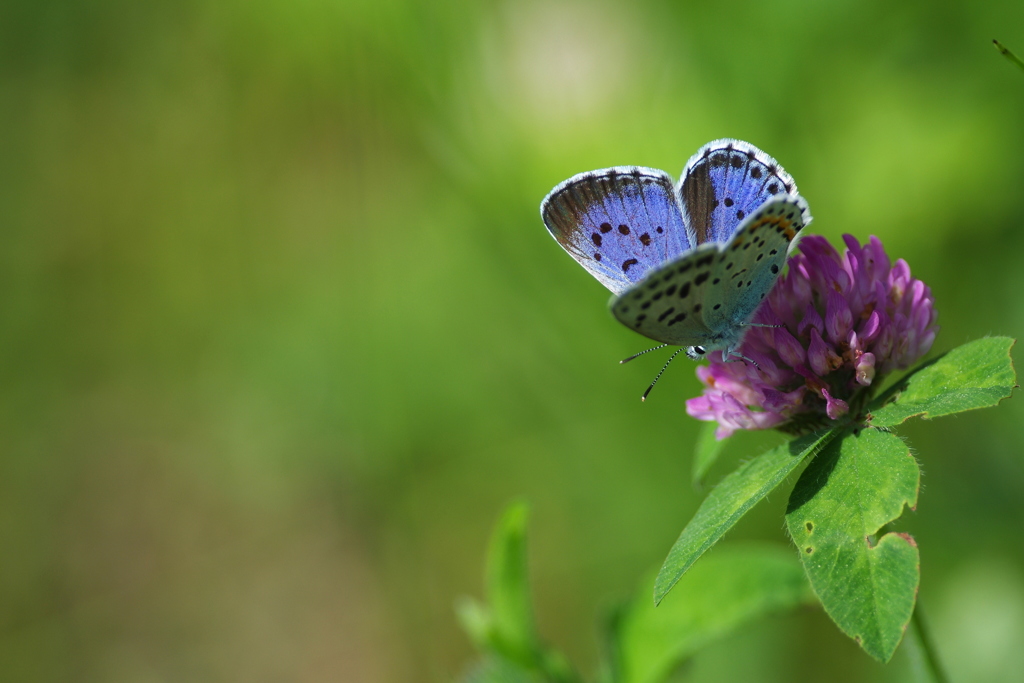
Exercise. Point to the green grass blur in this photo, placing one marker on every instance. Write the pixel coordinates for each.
(281, 331)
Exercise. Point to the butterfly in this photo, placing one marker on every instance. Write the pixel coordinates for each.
(688, 263)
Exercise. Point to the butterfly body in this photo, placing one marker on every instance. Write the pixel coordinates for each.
(688, 263)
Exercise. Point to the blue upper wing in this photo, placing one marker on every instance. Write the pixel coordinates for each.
(725, 181)
(618, 223)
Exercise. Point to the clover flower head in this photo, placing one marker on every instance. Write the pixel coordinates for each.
(835, 326)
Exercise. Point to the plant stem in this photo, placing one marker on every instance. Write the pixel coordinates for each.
(1009, 55)
(924, 640)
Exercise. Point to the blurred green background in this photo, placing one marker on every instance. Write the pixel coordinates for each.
(282, 331)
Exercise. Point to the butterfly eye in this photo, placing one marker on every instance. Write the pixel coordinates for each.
(699, 350)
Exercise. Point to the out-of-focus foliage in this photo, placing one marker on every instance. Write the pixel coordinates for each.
(740, 583)
(282, 331)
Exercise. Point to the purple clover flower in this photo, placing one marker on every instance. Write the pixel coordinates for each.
(843, 323)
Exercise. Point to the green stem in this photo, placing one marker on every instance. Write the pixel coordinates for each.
(1009, 55)
(924, 640)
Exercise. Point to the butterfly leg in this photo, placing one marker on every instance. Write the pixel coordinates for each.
(740, 356)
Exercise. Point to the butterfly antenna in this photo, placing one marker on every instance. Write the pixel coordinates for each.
(637, 355)
(670, 359)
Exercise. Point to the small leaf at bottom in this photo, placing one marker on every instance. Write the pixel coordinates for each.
(856, 485)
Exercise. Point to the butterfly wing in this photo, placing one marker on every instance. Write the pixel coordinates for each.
(750, 263)
(723, 183)
(704, 296)
(667, 305)
(618, 223)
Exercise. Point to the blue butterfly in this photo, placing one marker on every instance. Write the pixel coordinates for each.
(688, 263)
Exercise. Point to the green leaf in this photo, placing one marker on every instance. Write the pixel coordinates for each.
(505, 629)
(729, 501)
(508, 589)
(852, 488)
(476, 621)
(978, 374)
(708, 449)
(732, 586)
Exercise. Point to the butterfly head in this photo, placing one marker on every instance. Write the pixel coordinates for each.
(728, 342)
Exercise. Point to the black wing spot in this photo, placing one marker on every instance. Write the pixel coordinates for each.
(775, 269)
(746, 246)
(773, 252)
(645, 305)
(755, 172)
(678, 319)
(624, 229)
(773, 189)
(739, 284)
(685, 267)
(597, 256)
(684, 291)
(759, 257)
(666, 314)
(716, 281)
(699, 280)
(596, 239)
(645, 239)
(658, 296)
(748, 282)
(740, 214)
(627, 263)
(705, 260)
(659, 230)
(728, 201)
(606, 227)
(719, 159)
(716, 307)
(670, 291)
(736, 161)
(728, 265)
(696, 309)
